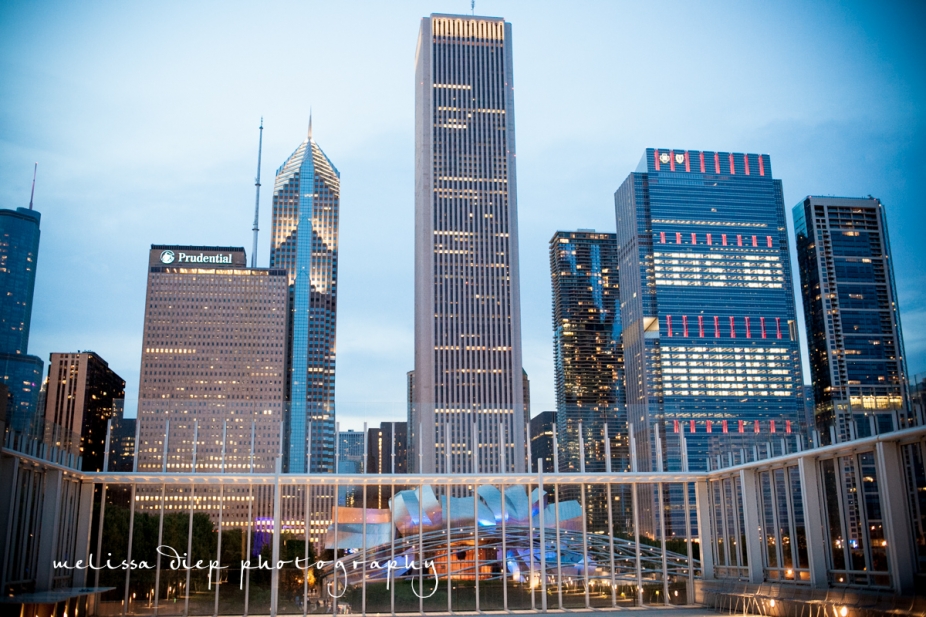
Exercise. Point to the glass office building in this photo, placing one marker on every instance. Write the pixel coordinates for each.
(711, 345)
(22, 373)
(587, 352)
(468, 375)
(852, 317)
(304, 241)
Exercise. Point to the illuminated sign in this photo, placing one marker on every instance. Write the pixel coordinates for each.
(169, 257)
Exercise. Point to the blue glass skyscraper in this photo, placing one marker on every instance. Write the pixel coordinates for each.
(22, 373)
(587, 353)
(304, 241)
(852, 317)
(710, 339)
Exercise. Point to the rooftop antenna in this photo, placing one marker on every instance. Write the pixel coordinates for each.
(310, 123)
(472, 6)
(34, 170)
(260, 147)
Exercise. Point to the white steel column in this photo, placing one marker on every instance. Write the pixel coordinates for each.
(82, 550)
(901, 554)
(705, 530)
(48, 532)
(748, 482)
(814, 523)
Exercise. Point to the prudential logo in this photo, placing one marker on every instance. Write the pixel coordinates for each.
(167, 257)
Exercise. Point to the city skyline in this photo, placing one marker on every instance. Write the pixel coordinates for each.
(376, 341)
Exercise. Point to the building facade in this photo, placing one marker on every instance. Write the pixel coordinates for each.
(468, 375)
(711, 344)
(387, 453)
(304, 242)
(852, 317)
(122, 442)
(22, 373)
(212, 365)
(83, 394)
(587, 352)
(541, 440)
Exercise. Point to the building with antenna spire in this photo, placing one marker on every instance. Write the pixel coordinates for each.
(304, 242)
(255, 229)
(22, 373)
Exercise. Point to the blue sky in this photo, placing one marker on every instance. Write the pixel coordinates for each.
(143, 118)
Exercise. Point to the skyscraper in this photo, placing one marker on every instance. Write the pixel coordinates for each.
(468, 374)
(22, 373)
(213, 358)
(304, 241)
(709, 324)
(83, 394)
(852, 317)
(587, 353)
(541, 433)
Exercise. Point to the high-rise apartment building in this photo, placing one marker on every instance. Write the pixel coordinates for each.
(541, 444)
(22, 373)
(387, 448)
(213, 359)
(587, 352)
(709, 325)
(387, 453)
(468, 374)
(304, 242)
(852, 317)
(83, 395)
(122, 442)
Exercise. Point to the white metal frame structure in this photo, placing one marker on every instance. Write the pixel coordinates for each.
(788, 519)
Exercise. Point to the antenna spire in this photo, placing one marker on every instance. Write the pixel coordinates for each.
(32, 195)
(310, 123)
(472, 6)
(260, 146)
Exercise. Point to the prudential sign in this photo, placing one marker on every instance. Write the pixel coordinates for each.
(169, 257)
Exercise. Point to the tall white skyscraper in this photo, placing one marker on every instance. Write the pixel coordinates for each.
(468, 378)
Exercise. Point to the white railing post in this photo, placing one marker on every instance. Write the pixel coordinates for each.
(748, 482)
(814, 524)
(901, 549)
(705, 530)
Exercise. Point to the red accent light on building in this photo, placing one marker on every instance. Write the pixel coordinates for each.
(761, 166)
(716, 326)
(669, 324)
(692, 425)
(768, 241)
(656, 159)
(742, 426)
(678, 238)
(671, 160)
(755, 242)
(662, 237)
(694, 238)
(746, 163)
(756, 426)
(723, 424)
(771, 426)
(710, 427)
(702, 162)
(685, 324)
(701, 326)
(732, 327)
(748, 331)
(762, 325)
(732, 166)
(723, 239)
(716, 163)
(778, 326)
(675, 424)
(788, 427)
(687, 162)
(709, 240)
(739, 240)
